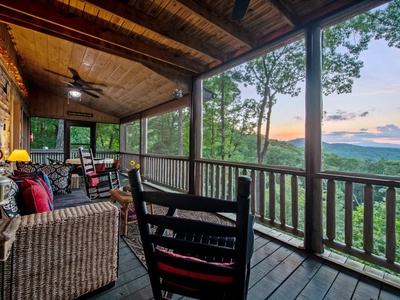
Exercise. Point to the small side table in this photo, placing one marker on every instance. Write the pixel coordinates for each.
(128, 215)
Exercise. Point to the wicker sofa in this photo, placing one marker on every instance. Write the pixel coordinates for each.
(60, 254)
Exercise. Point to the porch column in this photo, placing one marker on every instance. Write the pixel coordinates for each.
(313, 226)
(196, 135)
(143, 145)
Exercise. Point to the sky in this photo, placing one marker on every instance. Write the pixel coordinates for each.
(369, 116)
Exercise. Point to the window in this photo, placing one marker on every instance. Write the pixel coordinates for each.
(169, 133)
(361, 124)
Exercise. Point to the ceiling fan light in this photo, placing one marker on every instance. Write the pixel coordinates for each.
(74, 94)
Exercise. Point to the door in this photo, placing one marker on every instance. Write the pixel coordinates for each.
(79, 134)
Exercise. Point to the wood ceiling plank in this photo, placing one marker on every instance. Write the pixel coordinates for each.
(79, 26)
(156, 26)
(157, 66)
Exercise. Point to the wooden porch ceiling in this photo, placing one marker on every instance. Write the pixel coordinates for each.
(140, 50)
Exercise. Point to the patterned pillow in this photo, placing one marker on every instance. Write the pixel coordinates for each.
(11, 208)
(59, 175)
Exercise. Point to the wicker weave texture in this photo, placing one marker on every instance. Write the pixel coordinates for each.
(65, 253)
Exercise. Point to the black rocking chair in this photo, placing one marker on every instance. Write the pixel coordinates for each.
(195, 258)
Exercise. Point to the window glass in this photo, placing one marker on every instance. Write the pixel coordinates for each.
(258, 114)
(132, 132)
(107, 137)
(361, 124)
(169, 133)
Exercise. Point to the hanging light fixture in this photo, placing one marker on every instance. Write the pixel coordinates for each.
(177, 93)
(74, 94)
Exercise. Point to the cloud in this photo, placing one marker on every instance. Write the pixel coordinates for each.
(388, 134)
(341, 115)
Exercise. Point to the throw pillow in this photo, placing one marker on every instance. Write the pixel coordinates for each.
(40, 174)
(59, 175)
(11, 208)
(34, 197)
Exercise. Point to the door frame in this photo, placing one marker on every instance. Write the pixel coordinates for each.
(67, 135)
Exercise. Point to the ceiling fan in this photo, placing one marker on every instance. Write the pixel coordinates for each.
(80, 85)
(239, 10)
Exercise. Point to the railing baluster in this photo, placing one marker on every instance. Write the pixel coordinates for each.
(212, 180)
(218, 181)
(368, 219)
(230, 183)
(262, 196)
(282, 199)
(391, 224)
(295, 201)
(272, 195)
(207, 179)
(254, 197)
(348, 214)
(331, 210)
(223, 183)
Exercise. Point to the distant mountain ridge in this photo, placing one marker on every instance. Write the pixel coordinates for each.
(355, 151)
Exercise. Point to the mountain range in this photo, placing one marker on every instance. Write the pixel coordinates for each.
(373, 153)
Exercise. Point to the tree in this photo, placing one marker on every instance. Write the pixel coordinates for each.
(224, 121)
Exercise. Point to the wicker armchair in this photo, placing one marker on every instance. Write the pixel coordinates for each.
(63, 254)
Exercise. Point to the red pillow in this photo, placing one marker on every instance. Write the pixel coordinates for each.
(34, 197)
(38, 180)
(93, 181)
(175, 269)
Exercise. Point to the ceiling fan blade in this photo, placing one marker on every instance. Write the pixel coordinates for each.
(95, 83)
(74, 72)
(92, 89)
(55, 73)
(90, 94)
(239, 10)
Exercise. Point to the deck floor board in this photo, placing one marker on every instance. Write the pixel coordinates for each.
(279, 271)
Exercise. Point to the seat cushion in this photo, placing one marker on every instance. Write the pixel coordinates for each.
(75, 198)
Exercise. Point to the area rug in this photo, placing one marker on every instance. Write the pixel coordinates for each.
(133, 237)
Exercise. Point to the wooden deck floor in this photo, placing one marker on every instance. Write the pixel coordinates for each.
(279, 271)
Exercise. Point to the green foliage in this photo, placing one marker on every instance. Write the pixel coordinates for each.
(107, 137)
(133, 137)
(44, 132)
(169, 133)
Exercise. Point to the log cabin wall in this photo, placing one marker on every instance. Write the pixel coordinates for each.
(14, 111)
(47, 105)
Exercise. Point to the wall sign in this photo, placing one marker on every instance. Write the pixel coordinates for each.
(79, 114)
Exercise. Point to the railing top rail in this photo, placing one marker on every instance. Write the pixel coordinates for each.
(360, 178)
(178, 157)
(253, 166)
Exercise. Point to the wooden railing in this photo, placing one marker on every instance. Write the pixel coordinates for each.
(363, 238)
(275, 198)
(44, 156)
(278, 199)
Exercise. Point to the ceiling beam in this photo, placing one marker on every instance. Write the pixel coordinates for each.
(29, 22)
(78, 26)
(228, 27)
(286, 12)
(136, 16)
